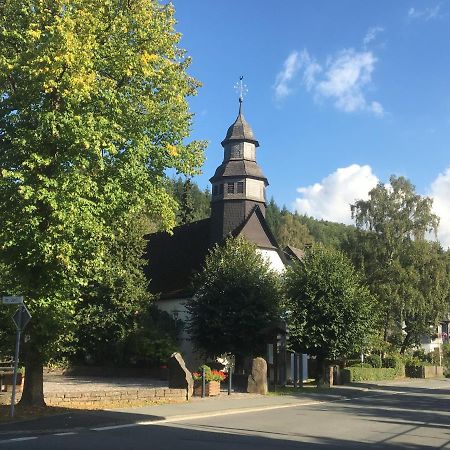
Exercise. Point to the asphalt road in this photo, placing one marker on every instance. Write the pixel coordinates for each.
(410, 415)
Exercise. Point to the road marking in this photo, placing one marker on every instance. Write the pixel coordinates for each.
(115, 427)
(67, 433)
(19, 439)
(229, 412)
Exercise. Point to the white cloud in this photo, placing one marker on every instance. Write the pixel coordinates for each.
(291, 66)
(377, 109)
(343, 79)
(331, 198)
(440, 192)
(426, 13)
(371, 35)
(310, 70)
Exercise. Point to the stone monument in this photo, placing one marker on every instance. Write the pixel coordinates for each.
(257, 380)
(179, 375)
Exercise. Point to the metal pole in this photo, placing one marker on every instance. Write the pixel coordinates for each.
(295, 369)
(203, 383)
(301, 380)
(16, 364)
(230, 374)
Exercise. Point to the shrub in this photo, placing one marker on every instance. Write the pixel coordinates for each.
(414, 361)
(360, 364)
(355, 374)
(422, 356)
(395, 362)
(210, 375)
(374, 360)
(446, 359)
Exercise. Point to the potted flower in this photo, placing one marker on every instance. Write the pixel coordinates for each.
(212, 381)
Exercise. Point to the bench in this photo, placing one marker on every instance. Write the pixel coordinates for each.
(7, 375)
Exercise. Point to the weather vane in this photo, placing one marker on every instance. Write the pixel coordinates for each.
(241, 88)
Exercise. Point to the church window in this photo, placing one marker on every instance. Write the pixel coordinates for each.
(230, 188)
(240, 187)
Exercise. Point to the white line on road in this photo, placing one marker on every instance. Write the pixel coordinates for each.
(29, 438)
(67, 433)
(115, 427)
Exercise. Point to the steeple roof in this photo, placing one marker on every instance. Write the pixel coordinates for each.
(240, 130)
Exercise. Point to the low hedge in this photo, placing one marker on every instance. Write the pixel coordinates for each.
(354, 374)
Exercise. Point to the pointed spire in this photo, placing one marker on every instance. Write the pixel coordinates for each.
(240, 129)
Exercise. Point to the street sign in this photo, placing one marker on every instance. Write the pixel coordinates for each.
(12, 300)
(21, 317)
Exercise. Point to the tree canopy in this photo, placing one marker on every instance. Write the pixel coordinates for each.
(408, 275)
(237, 299)
(93, 111)
(330, 311)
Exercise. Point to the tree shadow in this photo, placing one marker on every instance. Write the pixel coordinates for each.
(196, 437)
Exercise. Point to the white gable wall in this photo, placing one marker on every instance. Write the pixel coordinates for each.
(273, 258)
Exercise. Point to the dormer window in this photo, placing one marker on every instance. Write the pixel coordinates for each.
(215, 190)
(240, 187)
(220, 189)
(230, 188)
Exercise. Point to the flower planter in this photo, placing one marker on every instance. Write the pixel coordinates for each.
(211, 388)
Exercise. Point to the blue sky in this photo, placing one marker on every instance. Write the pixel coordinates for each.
(341, 94)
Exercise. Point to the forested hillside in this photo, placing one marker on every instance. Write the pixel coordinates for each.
(289, 228)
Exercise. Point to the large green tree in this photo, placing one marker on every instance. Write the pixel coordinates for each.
(330, 311)
(236, 301)
(408, 274)
(92, 112)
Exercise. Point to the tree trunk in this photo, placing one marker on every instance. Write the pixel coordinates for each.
(321, 376)
(33, 390)
(406, 343)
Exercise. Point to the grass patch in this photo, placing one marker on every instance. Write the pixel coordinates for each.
(308, 388)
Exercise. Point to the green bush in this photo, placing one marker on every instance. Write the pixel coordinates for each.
(446, 359)
(355, 374)
(422, 356)
(414, 361)
(395, 361)
(359, 364)
(352, 362)
(374, 360)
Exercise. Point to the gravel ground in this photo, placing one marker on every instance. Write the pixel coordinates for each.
(59, 383)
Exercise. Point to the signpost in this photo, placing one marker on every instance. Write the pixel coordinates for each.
(12, 300)
(20, 318)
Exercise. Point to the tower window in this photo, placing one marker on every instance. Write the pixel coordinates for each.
(240, 187)
(230, 188)
(220, 188)
(215, 189)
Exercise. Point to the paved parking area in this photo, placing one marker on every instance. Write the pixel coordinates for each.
(58, 383)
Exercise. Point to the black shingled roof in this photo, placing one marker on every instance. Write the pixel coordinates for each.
(173, 259)
(240, 130)
(239, 168)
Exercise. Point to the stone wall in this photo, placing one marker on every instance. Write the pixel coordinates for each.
(124, 396)
(424, 371)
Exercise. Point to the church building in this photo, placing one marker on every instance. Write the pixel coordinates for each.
(238, 207)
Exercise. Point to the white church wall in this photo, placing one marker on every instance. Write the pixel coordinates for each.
(177, 309)
(273, 258)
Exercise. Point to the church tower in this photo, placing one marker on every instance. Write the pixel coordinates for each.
(238, 184)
